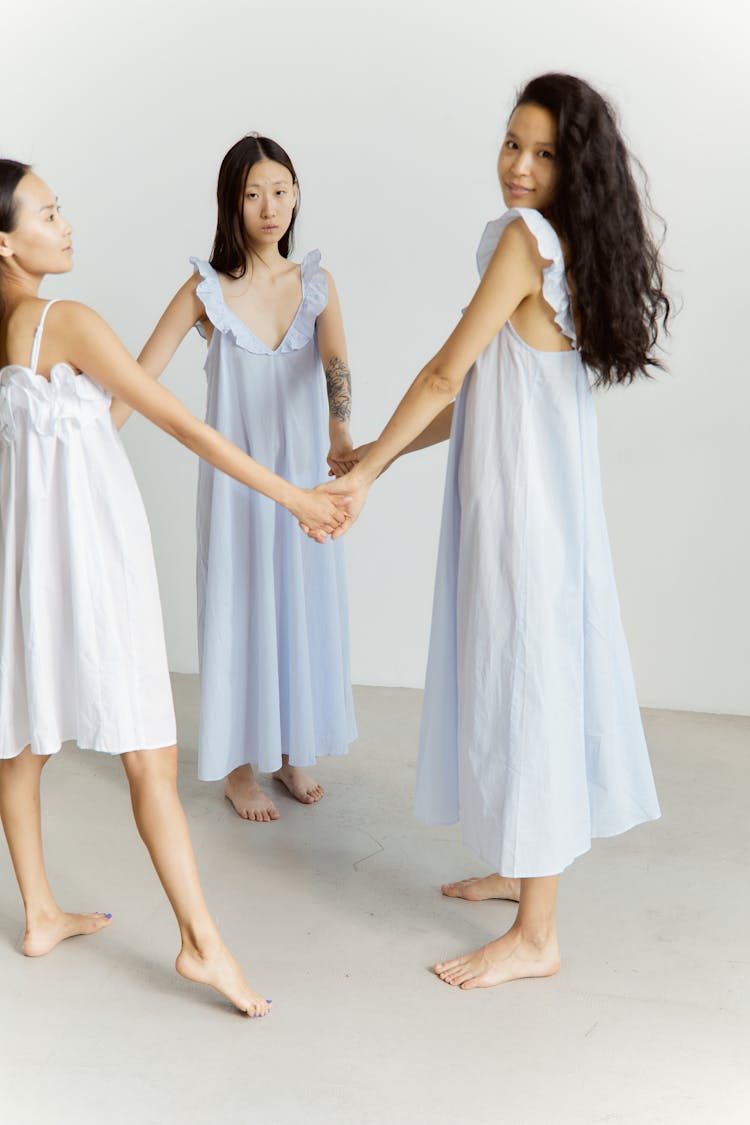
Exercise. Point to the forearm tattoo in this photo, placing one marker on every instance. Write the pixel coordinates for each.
(339, 387)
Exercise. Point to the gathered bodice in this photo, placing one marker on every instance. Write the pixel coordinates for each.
(58, 406)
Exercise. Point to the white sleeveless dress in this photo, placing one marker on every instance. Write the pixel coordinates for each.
(82, 654)
(531, 732)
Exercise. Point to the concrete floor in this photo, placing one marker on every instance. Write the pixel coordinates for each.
(335, 913)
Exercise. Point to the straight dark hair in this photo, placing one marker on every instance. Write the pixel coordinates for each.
(11, 174)
(599, 213)
(230, 248)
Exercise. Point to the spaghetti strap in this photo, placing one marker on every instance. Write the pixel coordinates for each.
(36, 345)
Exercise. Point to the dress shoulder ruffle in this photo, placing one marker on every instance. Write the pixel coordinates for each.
(554, 283)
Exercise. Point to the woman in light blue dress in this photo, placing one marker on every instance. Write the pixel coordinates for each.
(272, 614)
(531, 732)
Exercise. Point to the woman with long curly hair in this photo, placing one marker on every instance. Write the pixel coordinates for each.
(531, 732)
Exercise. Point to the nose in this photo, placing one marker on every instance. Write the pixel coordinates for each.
(269, 207)
(521, 163)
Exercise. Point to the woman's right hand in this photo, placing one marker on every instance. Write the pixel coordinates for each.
(320, 514)
(354, 489)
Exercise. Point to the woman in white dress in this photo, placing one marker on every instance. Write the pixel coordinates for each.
(531, 733)
(82, 653)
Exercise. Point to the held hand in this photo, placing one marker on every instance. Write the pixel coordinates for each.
(320, 515)
(354, 457)
(341, 457)
(353, 491)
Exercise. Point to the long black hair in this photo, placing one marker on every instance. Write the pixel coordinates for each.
(11, 174)
(230, 248)
(615, 269)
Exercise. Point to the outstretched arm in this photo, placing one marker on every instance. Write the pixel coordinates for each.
(90, 344)
(332, 348)
(438, 430)
(514, 273)
(178, 318)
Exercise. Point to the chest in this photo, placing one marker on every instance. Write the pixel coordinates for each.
(267, 305)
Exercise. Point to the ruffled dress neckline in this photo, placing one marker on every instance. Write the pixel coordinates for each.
(302, 327)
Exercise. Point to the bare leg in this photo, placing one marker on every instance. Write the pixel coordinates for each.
(529, 949)
(299, 783)
(479, 890)
(152, 775)
(20, 810)
(249, 800)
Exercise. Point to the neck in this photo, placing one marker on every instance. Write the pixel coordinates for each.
(267, 257)
(16, 287)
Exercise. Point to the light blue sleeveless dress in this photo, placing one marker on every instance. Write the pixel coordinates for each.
(531, 733)
(272, 609)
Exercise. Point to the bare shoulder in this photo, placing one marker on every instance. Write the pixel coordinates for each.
(518, 240)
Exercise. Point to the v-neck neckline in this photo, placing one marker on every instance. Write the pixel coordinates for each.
(246, 327)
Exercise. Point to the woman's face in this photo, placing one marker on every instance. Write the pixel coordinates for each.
(268, 205)
(41, 242)
(527, 167)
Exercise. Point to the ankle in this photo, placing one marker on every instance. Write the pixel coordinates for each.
(537, 934)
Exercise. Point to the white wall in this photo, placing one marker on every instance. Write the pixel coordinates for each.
(392, 113)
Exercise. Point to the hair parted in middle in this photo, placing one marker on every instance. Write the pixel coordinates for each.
(230, 248)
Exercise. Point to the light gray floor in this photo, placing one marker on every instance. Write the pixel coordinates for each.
(335, 913)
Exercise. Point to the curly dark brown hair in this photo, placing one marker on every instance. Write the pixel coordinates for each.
(614, 263)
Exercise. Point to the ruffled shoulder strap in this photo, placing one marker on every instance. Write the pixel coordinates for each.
(554, 282)
(208, 291)
(314, 300)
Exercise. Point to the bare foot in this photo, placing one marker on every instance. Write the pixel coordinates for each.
(300, 784)
(511, 957)
(218, 969)
(249, 800)
(46, 933)
(478, 890)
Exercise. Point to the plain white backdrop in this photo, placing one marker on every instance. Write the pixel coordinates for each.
(392, 113)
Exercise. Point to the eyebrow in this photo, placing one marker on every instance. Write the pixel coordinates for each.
(49, 206)
(541, 144)
(274, 183)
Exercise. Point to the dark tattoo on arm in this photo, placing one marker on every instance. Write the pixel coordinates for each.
(339, 387)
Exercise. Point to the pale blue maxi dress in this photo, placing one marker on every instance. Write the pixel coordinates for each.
(272, 608)
(531, 733)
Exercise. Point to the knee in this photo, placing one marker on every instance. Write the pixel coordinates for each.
(151, 767)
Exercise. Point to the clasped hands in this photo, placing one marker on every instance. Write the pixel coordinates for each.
(332, 507)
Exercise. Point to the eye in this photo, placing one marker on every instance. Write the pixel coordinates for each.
(546, 154)
(252, 195)
(281, 191)
(511, 144)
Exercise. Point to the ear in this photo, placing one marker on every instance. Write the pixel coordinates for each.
(6, 251)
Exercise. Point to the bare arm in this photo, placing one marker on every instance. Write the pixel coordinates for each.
(91, 345)
(438, 430)
(178, 318)
(514, 273)
(332, 347)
